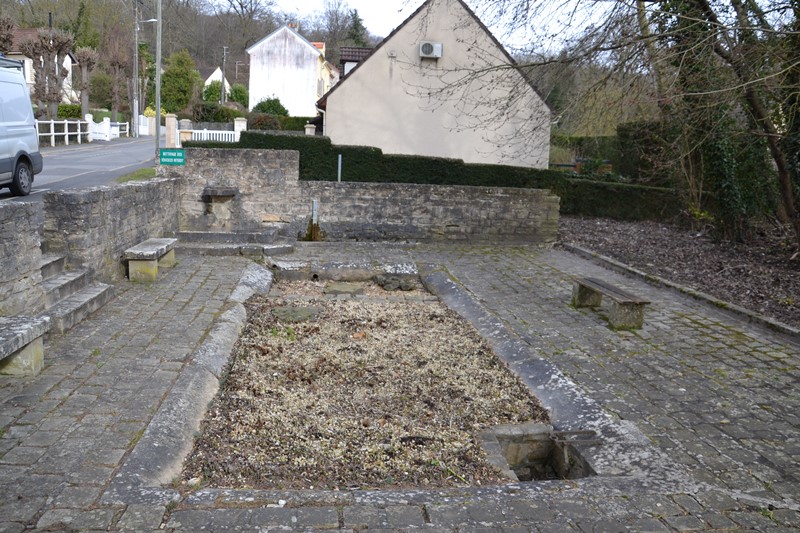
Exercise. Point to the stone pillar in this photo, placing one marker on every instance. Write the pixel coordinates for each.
(171, 125)
(184, 131)
(311, 129)
(239, 125)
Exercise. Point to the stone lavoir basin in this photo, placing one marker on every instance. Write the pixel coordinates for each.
(337, 385)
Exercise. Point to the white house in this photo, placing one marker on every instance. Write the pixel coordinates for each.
(441, 85)
(216, 75)
(287, 66)
(21, 35)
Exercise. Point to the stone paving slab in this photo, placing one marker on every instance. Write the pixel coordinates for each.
(710, 397)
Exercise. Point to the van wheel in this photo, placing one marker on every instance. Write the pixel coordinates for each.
(22, 180)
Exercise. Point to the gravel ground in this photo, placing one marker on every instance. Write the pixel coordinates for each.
(369, 393)
(762, 275)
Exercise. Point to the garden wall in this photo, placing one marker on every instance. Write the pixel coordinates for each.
(92, 227)
(20, 259)
(249, 190)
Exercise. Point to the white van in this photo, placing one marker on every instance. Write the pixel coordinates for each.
(20, 159)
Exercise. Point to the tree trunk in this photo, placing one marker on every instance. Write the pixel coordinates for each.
(779, 156)
(84, 90)
(115, 94)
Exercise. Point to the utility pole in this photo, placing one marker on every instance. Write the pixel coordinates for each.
(135, 106)
(224, 57)
(158, 79)
(137, 84)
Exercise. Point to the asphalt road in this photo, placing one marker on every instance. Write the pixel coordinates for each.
(88, 165)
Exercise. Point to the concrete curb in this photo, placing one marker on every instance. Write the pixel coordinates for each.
(158, 456)
(740, 312)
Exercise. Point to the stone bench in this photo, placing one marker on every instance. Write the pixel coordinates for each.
(21, 345)
(627, 310)
(145, 258)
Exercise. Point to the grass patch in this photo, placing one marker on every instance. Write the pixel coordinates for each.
(138, 175)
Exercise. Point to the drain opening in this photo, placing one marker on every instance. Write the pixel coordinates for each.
(535, 452)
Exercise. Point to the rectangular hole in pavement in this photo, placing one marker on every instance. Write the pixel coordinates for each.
(535, 452)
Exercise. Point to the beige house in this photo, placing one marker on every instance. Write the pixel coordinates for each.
(441, 85)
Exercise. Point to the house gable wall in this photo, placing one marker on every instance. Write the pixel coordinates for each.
(400, 102)
(286, 66)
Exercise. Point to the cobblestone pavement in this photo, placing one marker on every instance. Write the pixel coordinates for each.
(713, 399)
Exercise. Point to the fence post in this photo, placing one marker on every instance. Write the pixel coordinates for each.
(66, 132)
(171, 125)
(52, 133)
(89, 121)
(239, 125)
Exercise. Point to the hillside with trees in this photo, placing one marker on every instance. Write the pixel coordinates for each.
(194, 35)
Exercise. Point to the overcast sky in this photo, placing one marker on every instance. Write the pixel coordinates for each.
(380, 16)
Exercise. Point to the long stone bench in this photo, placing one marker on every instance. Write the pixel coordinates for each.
(145, 258)
(21, 345)
(627, 311)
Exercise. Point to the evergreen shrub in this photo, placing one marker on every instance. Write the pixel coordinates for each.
(69, 111)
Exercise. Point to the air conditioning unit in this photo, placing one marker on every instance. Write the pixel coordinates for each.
(430, 49)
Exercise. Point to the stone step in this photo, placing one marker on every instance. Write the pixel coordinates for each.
(64, 284)
(51, 265)
(74, 308)
(226, 249)
(267, 236)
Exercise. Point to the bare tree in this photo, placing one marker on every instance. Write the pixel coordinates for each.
(48, 52)
(87, 60)
(6, 34)
(117, 58)
(741, 45)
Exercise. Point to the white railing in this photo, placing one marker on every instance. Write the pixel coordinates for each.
(105, 130)
(214, 135)
(144, 125)
(76, 128)
(122, 127)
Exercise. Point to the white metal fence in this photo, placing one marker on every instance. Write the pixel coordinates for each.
(214, 135)
(78, 131)
(62, 130)
(106, 130)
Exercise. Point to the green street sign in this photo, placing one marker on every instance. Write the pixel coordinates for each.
(172, 156)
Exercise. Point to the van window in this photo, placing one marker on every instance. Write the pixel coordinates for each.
(15, 102)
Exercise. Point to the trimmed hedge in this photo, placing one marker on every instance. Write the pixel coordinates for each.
(69, 111)
(264, 121)
(319, 161)
(294, 123)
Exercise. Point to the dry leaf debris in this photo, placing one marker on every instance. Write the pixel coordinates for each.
(370, 394)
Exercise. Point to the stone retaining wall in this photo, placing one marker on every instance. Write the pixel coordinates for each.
(249, 190)
(20, 259)
(93, 227)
